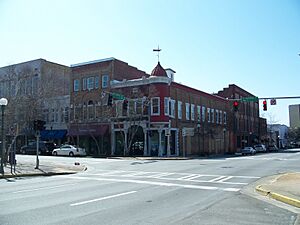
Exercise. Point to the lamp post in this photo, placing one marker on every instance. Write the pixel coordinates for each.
(3, 103)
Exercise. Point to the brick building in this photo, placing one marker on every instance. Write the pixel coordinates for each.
(163, 118)
(245, 124)
(89, 114)
(37, 89)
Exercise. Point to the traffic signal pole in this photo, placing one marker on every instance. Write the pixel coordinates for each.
(37, 149)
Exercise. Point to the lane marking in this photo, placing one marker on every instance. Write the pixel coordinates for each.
(43, 188)
(186, 177)
(158, 183)
(160, 175)
(216, 179)
(224, 179)
(103, 198)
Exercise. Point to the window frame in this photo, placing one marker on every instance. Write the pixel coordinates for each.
(158, 106)
(193, 112)
(104, 81)
(179, 110)
(76, 85)
(187, 111)
(166, 106)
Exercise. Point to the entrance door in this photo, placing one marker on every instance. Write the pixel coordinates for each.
(136, 138)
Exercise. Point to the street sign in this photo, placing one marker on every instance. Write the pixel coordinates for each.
(273, 101)
(249, 99)
(117, 96)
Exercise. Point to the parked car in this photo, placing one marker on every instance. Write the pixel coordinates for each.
(260, 148)
(273, 148)
(45, 148)
(69, 150)
(248, 151)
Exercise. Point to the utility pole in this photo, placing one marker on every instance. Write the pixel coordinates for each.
(37, 149)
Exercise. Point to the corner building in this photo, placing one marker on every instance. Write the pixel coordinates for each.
(165, 118)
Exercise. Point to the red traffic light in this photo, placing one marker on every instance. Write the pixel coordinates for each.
(235, 106)
(265, 105)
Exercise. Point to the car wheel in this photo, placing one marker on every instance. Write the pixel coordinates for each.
(55, 153)
(71, 154)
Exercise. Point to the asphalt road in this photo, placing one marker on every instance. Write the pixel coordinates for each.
(215, 191)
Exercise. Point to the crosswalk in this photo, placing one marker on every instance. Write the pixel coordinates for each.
(185, 180)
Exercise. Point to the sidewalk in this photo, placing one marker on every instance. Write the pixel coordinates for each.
(49, 169)
(283, 187)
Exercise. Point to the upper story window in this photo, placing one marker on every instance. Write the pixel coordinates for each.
(220, 115)
(84, 84)
(179, 110)
(225, 117)
(217, 116)
(90, 83)
(105, 80)
(96, 82)
(166, 105)
(208, 115)
(192, 112)
(187, 111)
(172, 113)
(203, 113)
(76, 85)
(198, 113)
(212, 115)
(155, 108)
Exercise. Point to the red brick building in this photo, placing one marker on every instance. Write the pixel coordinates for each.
(245, 124)
(117, 109)
(168, 118)
(89, 114)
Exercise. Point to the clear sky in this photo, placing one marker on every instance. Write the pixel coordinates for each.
(209, 43)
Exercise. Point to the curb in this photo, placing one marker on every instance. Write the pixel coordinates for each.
(35, 174)
(278, 197)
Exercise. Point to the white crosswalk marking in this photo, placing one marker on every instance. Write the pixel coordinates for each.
(185, 180)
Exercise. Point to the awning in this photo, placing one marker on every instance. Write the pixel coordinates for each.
(53, 134)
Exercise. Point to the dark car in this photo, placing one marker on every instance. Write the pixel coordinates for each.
(45, 148)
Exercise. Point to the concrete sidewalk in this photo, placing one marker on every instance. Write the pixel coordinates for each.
(45, 169)
(283, 187)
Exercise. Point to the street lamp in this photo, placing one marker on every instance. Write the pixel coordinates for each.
(3, 103)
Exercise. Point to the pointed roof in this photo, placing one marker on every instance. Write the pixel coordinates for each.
(159, 71)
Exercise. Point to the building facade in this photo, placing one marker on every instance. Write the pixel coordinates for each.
(90, 117)
(31, 88)
(163, 118)
(294, 114)
(246, 123)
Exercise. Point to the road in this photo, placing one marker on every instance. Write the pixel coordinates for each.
(216, 191)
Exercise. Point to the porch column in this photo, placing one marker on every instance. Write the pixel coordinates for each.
(113, 139)
(159, 144)
(125, 142)
(145, 143)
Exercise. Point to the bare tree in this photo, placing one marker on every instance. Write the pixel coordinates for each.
(138, 102)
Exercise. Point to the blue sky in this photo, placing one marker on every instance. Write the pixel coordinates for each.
(209, 43)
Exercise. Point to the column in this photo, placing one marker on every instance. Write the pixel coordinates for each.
(113, 139)
(159, 144)
(145, 143)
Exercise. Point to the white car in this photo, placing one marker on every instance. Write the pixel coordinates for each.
(248, 151)
(260, 148)
(69, 150)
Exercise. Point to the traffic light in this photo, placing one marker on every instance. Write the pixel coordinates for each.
(265, 105)
(125, 105)
(109, 100)
(35, 125)
(235, 106)
(39, 125)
